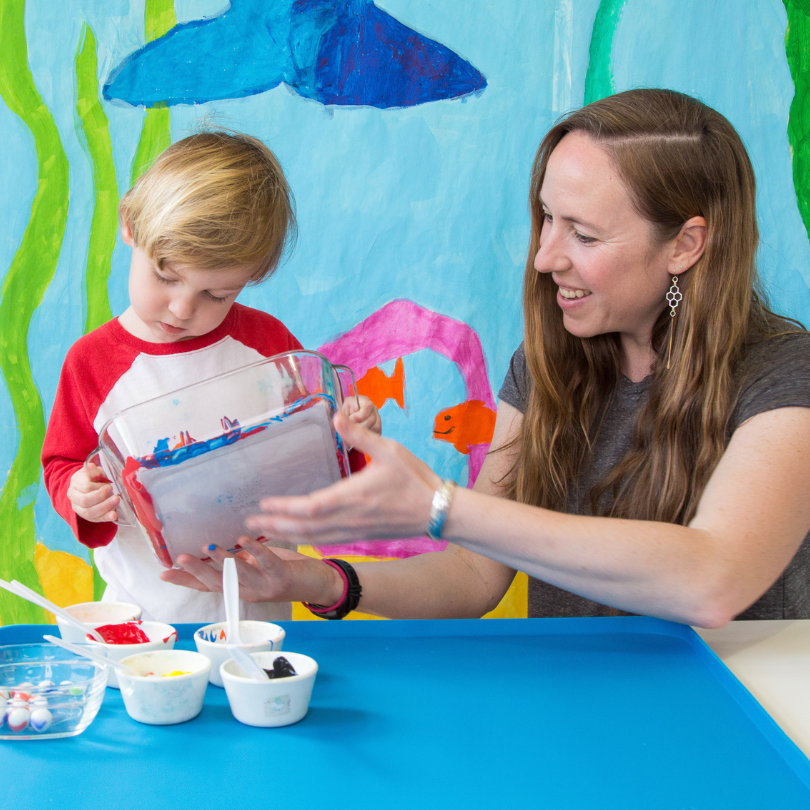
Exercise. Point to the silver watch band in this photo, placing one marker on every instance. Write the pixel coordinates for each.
(442, 498)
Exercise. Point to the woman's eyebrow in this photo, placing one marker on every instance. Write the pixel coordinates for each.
(575, 220)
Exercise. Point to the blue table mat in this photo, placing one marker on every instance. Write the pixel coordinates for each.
(624, 712)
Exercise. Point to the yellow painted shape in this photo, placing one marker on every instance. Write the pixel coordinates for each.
(515, 602)
(514, 605)
(65, 578)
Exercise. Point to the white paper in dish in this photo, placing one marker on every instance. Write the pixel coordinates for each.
(207, 498)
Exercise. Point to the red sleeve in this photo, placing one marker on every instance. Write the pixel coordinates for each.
(70, 436)
(357, 460)
(262, 332)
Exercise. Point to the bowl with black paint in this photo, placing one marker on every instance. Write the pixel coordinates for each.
(281, 700)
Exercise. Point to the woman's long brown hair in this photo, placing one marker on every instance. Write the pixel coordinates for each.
(678, 159)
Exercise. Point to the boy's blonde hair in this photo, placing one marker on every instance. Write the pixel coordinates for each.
(213, 200)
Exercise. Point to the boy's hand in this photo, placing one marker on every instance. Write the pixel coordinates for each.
(91, 495)
(366, 415)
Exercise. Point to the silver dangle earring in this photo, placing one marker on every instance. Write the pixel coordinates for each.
(674, 297)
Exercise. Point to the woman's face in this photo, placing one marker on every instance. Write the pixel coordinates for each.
(611, 274)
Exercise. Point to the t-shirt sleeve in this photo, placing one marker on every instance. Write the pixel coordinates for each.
(515, 388)
(776, 375)
(69, 439)
(262, 332)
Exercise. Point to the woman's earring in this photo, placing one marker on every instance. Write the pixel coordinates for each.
(674, 297)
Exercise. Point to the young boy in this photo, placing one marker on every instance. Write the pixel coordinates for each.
(212, 215)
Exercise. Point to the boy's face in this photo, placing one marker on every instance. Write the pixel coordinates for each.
(177, 302)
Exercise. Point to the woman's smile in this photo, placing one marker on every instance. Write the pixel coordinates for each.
(570, 294)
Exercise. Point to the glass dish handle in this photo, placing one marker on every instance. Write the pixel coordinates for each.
(346, 376)
(95, 459)
(342, 373)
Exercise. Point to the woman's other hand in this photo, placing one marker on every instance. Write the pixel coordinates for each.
(389, 498)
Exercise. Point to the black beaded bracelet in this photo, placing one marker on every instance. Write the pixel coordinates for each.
(352, 591)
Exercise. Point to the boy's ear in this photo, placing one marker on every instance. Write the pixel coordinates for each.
(126, 233)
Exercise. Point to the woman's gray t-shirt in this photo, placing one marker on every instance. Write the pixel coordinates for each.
(776, 374)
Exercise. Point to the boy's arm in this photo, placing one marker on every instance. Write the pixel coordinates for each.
(69, 439)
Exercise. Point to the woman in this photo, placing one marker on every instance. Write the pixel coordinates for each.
(651, 451)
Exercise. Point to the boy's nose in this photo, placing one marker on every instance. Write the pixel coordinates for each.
(182, 307)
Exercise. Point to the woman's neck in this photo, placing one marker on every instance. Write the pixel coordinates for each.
(637, 359)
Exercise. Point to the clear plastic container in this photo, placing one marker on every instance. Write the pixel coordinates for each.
(47, 692)
(191, 465)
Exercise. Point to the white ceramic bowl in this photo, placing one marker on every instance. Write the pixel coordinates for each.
(212, 641)
(277, 702)
(96, 614)
(159, 698)
(161, 637)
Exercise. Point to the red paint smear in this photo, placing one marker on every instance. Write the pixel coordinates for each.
(127, 633)
(145, 511)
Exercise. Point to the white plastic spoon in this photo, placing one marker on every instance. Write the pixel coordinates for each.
(230, 591)
(91, 654)
(25, 592)
(248, 664)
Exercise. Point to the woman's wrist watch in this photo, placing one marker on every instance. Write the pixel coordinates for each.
(349, 599)
(442, 498)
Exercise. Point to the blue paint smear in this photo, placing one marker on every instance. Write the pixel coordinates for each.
(336, 52)
(165, 456)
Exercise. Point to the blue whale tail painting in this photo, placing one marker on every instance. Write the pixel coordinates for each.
(343, 52)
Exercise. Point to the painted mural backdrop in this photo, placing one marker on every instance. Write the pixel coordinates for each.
(407, 131)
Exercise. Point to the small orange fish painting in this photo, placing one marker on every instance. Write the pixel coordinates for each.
(463, 425)
(379, 388)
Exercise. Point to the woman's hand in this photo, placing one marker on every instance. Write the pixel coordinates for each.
(391, 497)
(265, 574)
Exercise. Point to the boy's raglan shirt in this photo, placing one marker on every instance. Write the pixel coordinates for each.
(108, 370)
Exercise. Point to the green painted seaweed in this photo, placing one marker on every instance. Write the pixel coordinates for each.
(599, 78)
(797, 49)
(94, 135)
(156, 132)
(98, 145)
(29, 275)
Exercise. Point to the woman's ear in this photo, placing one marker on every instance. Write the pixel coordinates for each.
(688, 245)
(126, 233)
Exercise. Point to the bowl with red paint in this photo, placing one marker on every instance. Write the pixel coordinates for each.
(94, 614)
(127, 638)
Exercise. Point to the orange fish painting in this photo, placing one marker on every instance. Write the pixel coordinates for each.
(463, 425)
(379, 388)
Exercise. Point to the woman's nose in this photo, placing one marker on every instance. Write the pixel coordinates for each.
(551, 256)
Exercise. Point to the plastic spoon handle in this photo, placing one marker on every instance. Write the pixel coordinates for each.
(248, 664)
(230, 590)
(92, 655)
(24, 592)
